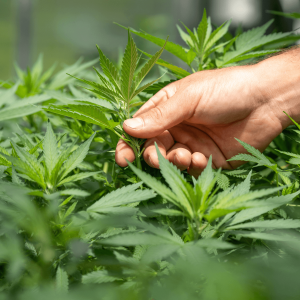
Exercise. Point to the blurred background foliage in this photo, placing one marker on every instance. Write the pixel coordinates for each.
(64, 30)
(49, 245)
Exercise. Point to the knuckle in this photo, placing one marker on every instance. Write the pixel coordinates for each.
(156, 114)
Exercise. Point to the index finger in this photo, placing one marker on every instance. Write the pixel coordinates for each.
(164, 142)
(161, 96)
(123, 153)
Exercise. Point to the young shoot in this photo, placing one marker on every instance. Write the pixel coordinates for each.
(117, 91)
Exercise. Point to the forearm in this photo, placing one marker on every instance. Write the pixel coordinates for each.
(278, 82)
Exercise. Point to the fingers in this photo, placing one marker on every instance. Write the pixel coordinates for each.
(164, 142)
(199, 141)
(180, 155)
(198, 164)
(123, 152)
(163, 95)
(152, 122)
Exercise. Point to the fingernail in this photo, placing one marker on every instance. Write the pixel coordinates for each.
(176, 160)
(151, 162)
(134, 123)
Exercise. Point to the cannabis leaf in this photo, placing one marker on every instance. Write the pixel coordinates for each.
(118, 89)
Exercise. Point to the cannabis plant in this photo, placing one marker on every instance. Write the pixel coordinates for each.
(74, 225)
(209, 48)
(200, 204)
(44, 163)
(34, 81)
(117, 91)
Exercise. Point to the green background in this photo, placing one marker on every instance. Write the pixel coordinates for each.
(64, 30)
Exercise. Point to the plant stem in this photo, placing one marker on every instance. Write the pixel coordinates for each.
(137, 158)
(277, 183)
(138, 163)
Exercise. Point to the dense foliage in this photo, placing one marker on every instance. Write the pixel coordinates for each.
(74, 224)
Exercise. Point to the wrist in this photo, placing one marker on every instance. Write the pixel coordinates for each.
(278, 85)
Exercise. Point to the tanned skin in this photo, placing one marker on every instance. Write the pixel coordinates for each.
(201, 114)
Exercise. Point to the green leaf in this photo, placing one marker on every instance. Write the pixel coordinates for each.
(194, 38)
(70, 210)
(66, 201)
(61, 159)
(110, 71)
(61, 280)
(107, 92)
(202, 30)
(269, 224)
(243, 187)
(76, 177)
(267, 206)
(214, 49)
(133, 239)
(3, 160)
(187, 39)
(168, 212)
(246, 39)
(15, 178)
(294, 161)
(285, 177)
(252, 55)
(12, 113)
(214, 244)
(293, 134)
(156, 185)
(97, 277)
(103, 104)
(245, 157)
(37, 68)
(223, 181)
(237, 173)
(46, 75)
(174, 69)
(209, 30)
(153, 89)
(293, 120)
(287, 15)
(235, 200)
(255, 152)
(115, 196)
(87, 113)
(217, 35)
(206, 177)
(129, 64)
(74, 192)
(60, 96)
(183, 190)
(251, 40)
(121, 199)
(76, 157)
(50, 149)
(158, 252)
(147, 67)
(25, 168)
(8, 96)
(175, 49)
(142, 88)
(61, 79)
(289, 153)
(36, 169)
(228, 202)
(265, 236)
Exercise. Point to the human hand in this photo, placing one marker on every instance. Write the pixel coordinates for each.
(200, 115)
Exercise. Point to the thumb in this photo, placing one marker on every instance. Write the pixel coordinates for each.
(159, 118)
